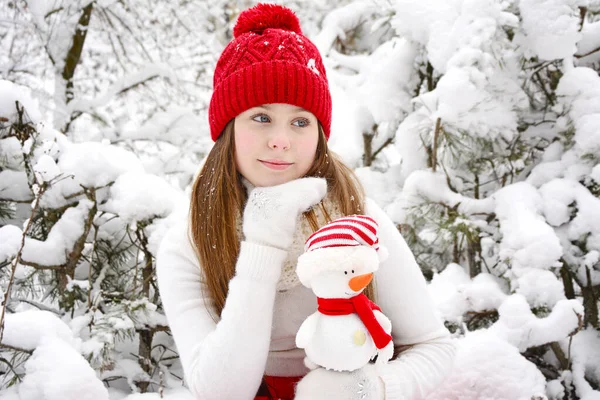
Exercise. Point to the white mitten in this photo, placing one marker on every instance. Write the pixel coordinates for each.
(322, 384)
(272, 212)
(384, 356)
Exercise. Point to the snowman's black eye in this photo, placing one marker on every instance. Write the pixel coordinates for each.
(352, 271)
(346, 272)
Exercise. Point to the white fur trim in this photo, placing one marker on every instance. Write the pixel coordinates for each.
(317, 261)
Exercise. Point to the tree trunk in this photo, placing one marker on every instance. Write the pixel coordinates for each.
(146, 335)
(474, 256)
(590, 302)
(567, 281)
(368, 144)
(74, 54)
(145, 356)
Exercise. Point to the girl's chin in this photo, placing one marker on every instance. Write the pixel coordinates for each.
(266, 181)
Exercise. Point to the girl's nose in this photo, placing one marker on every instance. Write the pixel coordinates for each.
(279, 141)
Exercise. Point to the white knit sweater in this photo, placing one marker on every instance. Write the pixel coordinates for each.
(257, 329)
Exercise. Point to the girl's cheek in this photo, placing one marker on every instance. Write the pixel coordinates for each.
(243, 139)
(309, 145)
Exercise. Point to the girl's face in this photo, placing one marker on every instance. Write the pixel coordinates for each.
(275, 143)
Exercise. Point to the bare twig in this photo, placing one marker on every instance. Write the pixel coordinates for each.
(40, 306)
(40, 266)
(89, 299)
(543, 86)
(48, 14)
(17, 259)
(436, 134)
(75, 255)
(387, 142)
(9, 347)
(560, 355)
(582, 13)
(587, 54)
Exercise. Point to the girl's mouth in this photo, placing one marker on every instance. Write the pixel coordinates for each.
(276, 165)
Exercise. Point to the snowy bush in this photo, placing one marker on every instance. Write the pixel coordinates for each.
(474, 123)
(484, 115)
(82, 252)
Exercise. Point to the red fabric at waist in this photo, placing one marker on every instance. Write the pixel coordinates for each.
(277, 388)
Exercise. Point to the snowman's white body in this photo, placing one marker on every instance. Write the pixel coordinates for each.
(338, 342)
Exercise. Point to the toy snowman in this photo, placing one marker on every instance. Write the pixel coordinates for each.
(348, 330)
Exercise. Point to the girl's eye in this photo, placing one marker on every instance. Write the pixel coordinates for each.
(262, 118)
(301, 122)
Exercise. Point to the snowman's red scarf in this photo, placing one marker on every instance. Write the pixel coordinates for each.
(362, 306)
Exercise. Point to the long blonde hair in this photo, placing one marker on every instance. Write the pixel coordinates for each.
(218, 199)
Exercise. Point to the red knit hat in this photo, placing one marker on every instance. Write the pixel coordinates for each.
(268, 61)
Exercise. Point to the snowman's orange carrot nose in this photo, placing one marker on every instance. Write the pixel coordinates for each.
(359, 282)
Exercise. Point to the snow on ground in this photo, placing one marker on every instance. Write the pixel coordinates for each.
(487, 367)
(52, 370)
(28, 329)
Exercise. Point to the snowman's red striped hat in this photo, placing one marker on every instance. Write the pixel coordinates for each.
(341, 245)
(356, 230)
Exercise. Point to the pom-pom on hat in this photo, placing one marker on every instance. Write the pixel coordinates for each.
(340, 245)
(263, 16)
(268, 61)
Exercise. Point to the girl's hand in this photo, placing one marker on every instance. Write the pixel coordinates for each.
(322, 384)
(271, 213)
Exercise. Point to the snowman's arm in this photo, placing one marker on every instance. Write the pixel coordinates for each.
(307, 330)
(384, 321)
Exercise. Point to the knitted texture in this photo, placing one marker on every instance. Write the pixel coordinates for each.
(268, 61)
(289, 279)
(361, 305)
(357, 230)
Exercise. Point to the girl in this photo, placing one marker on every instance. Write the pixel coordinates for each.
(227, 276)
